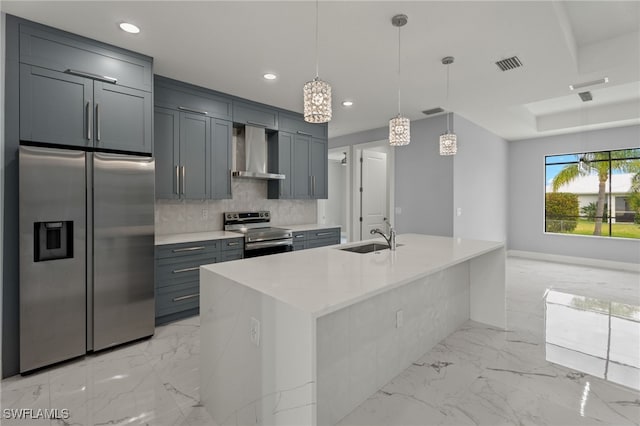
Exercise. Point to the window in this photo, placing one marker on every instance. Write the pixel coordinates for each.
(593, 193)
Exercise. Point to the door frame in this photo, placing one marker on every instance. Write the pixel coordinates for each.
(354, 190)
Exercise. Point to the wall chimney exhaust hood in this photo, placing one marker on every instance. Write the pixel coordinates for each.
(251, 146)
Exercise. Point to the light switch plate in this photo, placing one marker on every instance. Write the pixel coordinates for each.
(205, 213)
(459, 211)
(399, 319)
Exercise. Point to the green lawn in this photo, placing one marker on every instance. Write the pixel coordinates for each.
(622, 230)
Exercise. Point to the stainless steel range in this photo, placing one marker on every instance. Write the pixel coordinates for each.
(260, 239)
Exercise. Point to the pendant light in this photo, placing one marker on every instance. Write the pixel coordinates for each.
(399, 126)
(449, 140)
(317, 93)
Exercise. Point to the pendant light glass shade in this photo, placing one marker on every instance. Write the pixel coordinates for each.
(448, 144)
(399, 126)
(399, 131)
(317, 93)
(317, 101)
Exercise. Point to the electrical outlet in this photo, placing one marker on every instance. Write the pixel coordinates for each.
(459, 211)
(399, 319)
(205, 213)
(254, 332)
(398, 210)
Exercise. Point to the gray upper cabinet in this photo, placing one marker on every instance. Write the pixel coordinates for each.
(167, 152)
(187, 98)
(294, 123)
(301, 178)
(80, 92)
(280, 154)
(55, 107)
(318, 163)
(122, 118)
(195, 133)
(255, 115)
(61, 51)
(192, 150)
(221, 135)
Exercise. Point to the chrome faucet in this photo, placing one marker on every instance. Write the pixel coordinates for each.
(391, 239)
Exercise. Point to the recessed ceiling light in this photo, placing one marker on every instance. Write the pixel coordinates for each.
(589, 83)
(347, 103)
(130, 28)
(270, 76)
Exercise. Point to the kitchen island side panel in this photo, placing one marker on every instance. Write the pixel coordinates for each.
(271, 382)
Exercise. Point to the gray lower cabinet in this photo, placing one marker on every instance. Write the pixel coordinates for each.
(62, 108)
(317, 238)
(193, 153)
(178, 274)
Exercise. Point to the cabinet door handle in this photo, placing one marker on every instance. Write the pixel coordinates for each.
(233, 243)
(197, 111)
(88, 114)
(98, 122)
(177, 271)
(321, 234)
(253, 123)
(304, 133)
(183, 180)
(188, 249)
(299, 236)
(188, 296)
(177, 180)
(92, 76)
(313, 185)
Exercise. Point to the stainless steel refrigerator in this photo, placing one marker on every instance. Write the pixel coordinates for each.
(86, 252)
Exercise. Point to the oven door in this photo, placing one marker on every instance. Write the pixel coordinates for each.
(264, 248)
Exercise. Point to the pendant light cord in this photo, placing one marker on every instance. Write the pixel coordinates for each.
(317, 61)
(447, 100)
(399, 71)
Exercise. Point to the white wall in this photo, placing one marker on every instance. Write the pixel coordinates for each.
(335, 207)
(526, 196)
(479, 183)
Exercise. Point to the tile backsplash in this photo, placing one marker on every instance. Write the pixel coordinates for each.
(178, 216)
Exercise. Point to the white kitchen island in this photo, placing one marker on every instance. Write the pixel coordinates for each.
(303, 338)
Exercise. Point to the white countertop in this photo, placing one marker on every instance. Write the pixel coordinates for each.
(325, 279)
(190, 237)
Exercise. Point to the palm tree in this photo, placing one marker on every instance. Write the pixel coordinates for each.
(600, 163)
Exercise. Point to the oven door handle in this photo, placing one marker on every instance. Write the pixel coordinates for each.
(263, 244)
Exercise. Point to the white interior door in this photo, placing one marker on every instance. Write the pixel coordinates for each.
(373, 184)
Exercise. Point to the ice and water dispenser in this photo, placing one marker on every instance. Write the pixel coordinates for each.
(52, 240)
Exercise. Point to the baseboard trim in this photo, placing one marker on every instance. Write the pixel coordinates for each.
(598, 263)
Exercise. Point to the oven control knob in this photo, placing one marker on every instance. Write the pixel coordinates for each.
(228, 215)
(235, 216)
(261, 214)
(266, 214)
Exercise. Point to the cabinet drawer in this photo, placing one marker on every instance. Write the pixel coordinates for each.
(61, 51)
(296, 124)
(255, 114)
(228, 255)
(178, 298)
(168, 273)
(322, 242)
(234, 244)
(176, 95)
(299, 236)
(187, 249)
(299, 245)
(331, 233)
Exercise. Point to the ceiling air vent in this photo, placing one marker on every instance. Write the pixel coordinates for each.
(433, 111)
(585, 96)
(509, 63)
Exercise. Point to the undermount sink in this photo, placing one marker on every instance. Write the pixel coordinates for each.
(368, 248)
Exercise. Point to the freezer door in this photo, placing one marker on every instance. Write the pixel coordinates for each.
(52, 256)
(123, 249)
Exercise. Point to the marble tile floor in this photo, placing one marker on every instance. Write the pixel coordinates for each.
(477, 376)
